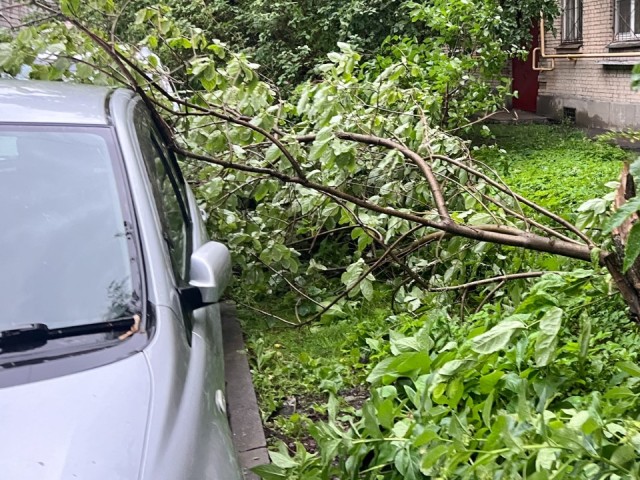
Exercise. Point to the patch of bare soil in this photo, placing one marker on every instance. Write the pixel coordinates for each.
(308, 406)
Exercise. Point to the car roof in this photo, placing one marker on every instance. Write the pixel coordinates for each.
(26, 101)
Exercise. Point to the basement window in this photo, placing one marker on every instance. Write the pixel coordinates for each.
(572, 21)
(627, 20)
(569, 115)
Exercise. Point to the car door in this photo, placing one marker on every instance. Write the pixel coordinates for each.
(201, 439)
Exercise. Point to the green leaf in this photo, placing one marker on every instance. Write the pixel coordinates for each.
(489, 381)
(394, 367)
(70, 7)
(632, 248)
(386, 413)
(582, 421)
(318, 149)
(545, 459)
(407, 463)
(629, 368)
(585, 336)
(536, 302)
(550, 325)
(84, 71)
(453, 367)
(432, 456)
(281, 460)
(370, 419)
(141, 16)
(487, 409)
(623, 455)
(425, 437)
(272, 153)
(270, 472)
(366, 288)
(497, 338)
(621, 214)
(455, 391)
(617, 393)
(261, 191)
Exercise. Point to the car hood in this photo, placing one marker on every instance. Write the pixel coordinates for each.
(89, 425)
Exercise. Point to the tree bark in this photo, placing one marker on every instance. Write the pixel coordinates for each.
(627, 282)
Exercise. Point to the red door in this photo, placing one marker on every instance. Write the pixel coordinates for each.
(525, 79)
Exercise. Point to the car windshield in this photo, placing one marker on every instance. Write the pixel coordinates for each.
(64, 246)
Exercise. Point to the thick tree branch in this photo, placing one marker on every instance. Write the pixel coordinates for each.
(570, 227)
(495, 234)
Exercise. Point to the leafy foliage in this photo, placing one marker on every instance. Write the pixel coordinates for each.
(566, 330)
(541, 391)
(290, 39)
(351, 211)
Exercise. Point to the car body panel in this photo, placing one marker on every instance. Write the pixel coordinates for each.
(188, 434)
(185, 419)
(53, 103)
(88, 425)
(181, 428)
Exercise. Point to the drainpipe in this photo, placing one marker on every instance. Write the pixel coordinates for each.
(541, 52)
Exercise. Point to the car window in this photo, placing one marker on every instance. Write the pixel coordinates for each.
(64, 249)
(169, 194)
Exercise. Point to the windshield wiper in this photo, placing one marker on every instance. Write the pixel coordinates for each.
(36, 335)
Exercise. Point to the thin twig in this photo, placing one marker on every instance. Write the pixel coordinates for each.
(288, 282)
(283, 320)
(500, 278)
(489, 295)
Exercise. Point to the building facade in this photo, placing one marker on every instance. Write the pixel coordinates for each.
(594, 90)
(12, 11)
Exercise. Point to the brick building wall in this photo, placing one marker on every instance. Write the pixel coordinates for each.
(12, 11)
(599, 89)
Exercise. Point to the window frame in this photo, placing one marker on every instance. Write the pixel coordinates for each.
(572, 24)
(634, 30)
(143, 121)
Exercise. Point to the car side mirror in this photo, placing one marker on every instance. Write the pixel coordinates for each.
(210, 274)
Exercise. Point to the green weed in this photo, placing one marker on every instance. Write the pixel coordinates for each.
(555, 166)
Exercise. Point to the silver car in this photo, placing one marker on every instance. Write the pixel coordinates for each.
(111, 361)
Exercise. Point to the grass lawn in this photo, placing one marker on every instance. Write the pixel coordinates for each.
(296, 371)
(555, 166)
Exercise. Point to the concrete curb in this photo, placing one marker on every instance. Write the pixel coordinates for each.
(244, 415)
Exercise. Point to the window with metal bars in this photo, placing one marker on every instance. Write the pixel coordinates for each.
(572, 21)
(627, 19)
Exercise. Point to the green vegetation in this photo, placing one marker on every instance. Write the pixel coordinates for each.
(547, 387)
(555, 166)
(291, 39)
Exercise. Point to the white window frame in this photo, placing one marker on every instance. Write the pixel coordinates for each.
(569, 22)
(634, 30)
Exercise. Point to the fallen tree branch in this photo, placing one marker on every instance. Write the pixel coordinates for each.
(497, 234)
(570, 227)
(500, 278)
(263, 312)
